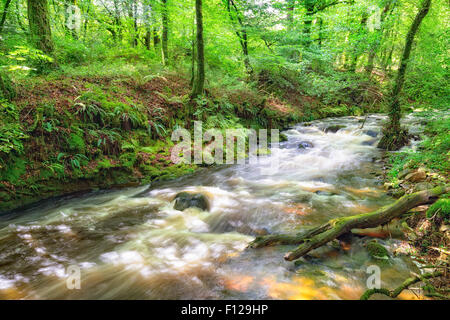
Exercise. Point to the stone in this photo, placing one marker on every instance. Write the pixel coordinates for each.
(416, 176)
(305, 145)
(283, 137)
(371, 133)
(377, 251)
(422, 186)
(184, 200)
(334, 128)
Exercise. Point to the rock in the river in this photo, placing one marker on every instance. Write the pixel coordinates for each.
(370, 142)
(283, 137)
(371, 133)
(184, 200)
(305, 144)
(416, 176)
(376, 250)
(334, 128)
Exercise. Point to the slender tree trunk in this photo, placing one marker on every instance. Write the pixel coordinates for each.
(290, 13)
(374, 48)
(4, 14)
(241, 33)
(394, 137)
(39, 22)
(165, 32)
(199, 82)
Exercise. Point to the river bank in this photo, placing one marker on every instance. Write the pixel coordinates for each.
(69, 135)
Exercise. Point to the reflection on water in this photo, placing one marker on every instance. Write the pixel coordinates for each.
(132, 244)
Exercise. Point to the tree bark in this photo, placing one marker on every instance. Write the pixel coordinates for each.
(4, 14)
(165, 32)
(329, 231)
(394, 137)
(199, 82)
(242, 34)
(38, 17)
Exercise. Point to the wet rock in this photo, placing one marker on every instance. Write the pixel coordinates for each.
(305, 145)
(377, 251)
(283, 137)
(404, 173)
(334, 128)
(371, 133)
(422, 186)
(416, 176)
(371, 142)
(184, 200)
(396, 193)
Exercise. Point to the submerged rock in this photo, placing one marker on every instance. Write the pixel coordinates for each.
(371, 133)
(305, 145)
(184, 200)
(334, 128)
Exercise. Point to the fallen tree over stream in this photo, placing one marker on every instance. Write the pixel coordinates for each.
(329, 231)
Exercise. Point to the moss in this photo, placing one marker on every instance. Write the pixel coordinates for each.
(441, 208)
(376, 250)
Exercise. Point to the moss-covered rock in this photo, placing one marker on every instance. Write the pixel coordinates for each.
(377, 251)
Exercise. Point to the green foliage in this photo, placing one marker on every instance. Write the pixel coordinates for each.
(433, 152)
(440, 208)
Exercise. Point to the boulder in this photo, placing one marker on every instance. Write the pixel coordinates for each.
(422, 186)
(416, 176)
(371, 133)
(283, 137)
(305, 145)
(184, 200)
(370, 142)
(334, 128)
(377, 251)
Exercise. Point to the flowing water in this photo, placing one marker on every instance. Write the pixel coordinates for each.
(132, 244)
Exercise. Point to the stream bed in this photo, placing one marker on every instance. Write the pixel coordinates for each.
(132, 243)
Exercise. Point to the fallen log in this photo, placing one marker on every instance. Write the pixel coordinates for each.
(329, 231)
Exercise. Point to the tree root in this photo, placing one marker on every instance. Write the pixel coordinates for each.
(329, 231)
(408, 282)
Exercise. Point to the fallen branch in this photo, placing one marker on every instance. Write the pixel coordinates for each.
(396, 292)
(325, 233)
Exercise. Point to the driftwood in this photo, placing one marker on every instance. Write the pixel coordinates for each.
(329, 231)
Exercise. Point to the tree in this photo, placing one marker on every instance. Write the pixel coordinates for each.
(241, 32)
(394, 137)
(165, 32)
(39, 23)
(199, 81)
(4, 14)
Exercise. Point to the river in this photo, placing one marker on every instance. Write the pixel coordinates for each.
(132, 244)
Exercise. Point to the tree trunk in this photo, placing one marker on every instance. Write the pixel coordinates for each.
(165, 32)
(4, 14)
(242, 34)
(40, 31)
(199, 82)
(374, 47)
(394, 136)
(329, 231)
